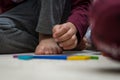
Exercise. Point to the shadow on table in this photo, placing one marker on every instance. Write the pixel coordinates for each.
(110, 70)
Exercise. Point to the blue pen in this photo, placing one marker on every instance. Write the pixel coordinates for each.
(28, 57)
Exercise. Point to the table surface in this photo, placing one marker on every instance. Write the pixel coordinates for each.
(102, 69)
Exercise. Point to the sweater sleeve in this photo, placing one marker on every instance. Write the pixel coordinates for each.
(79, 16)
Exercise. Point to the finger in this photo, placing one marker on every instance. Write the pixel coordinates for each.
(56, 30)
(61, 31)
(69, 42)
(70, 46)
(66, 36)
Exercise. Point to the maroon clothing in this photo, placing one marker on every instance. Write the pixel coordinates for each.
(79, 15)
(105, 18)
(5, 5)
(8, 4)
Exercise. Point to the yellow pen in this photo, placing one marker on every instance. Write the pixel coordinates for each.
(78, 57)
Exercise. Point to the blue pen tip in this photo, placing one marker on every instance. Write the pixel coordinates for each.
(25, 57)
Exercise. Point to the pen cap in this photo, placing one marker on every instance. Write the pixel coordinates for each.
(105, 20)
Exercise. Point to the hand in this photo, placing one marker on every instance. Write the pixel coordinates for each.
(65, 35)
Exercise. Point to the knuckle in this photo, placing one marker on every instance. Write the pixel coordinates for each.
(73, 39)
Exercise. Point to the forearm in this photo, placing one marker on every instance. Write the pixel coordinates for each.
(79, 16)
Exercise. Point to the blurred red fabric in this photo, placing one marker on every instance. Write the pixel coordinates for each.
(105, 20)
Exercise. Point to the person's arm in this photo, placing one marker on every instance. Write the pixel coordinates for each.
(69, 35)
(79, 16)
